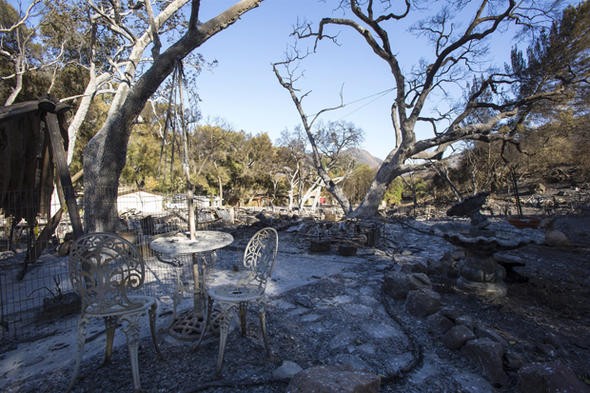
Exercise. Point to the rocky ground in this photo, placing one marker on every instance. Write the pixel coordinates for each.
(392, 312)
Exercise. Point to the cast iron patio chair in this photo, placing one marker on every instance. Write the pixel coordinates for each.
(233, 291)
(106, 270)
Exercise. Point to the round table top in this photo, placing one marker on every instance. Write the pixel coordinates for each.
(181, 244)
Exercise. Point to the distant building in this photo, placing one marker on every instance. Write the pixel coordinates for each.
(140, 202)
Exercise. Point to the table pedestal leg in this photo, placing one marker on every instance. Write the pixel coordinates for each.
(191, 323)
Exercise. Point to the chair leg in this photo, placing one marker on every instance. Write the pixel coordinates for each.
(243, 306)
(80, 342)
(262, 317)
(152, 316)
(208, 311)
(224, 324)
(110, 324)
(132, 332)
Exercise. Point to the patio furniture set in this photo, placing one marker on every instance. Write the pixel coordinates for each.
(107, 271)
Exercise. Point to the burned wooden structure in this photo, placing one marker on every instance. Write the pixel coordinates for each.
(33, 142)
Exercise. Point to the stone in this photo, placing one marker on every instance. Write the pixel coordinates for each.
(484, 331)
(396, 285)
(488, 356)
(286, 371)
(227, 215)
(449, 264)
(419, 280)
(574, 227)
(556, 238)
(329, 379)
(550, 377)
(512, 360)
(438, 324)
(481, 270)
(465, 320)
(304, 300)
(422, 302)
(419, 267)
(457, 336)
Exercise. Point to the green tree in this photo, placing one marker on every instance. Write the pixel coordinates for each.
(356, 185)
(394, 193)
(21, 56)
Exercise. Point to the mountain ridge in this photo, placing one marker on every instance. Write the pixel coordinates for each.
(363, 156)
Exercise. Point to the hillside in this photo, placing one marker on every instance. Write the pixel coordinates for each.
(362, 156)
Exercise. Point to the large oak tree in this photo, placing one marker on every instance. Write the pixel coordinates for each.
(497, 101)
(105, 154)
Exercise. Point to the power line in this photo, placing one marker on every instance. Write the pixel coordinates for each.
(377, 96)
(374, 97)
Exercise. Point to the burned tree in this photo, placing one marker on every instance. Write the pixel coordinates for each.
(105, 154)
(494, 107)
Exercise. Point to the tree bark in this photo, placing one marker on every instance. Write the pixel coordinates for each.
(105, 154)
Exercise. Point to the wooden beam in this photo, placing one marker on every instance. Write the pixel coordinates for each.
(63, 174)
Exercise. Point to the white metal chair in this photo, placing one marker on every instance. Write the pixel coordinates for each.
(233, 291)
(106, 270)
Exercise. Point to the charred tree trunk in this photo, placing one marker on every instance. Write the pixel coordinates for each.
(105, 154)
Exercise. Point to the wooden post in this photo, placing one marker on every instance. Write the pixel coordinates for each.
(65, 186)
(185, 161)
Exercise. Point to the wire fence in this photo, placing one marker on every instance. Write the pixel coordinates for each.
(36, 296)
(39, 301)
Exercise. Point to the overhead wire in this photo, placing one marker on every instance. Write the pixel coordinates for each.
(374, 96)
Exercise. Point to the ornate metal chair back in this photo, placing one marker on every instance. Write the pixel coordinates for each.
(260, 255)
(104, 268)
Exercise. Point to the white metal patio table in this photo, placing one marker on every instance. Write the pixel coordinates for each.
(202, 250)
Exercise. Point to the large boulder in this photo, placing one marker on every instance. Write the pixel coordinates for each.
(488, 356)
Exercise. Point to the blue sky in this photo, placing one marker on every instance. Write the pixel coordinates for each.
(243, 90)
(244, 93)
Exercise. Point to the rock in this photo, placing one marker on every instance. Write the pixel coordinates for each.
(512, 360)
(486, 332)
(465, 320)
(551, 377)
(422, 302)
(488, 356)
(419, 281)
(398, 284)
(227, 215)
(449, 263)
(481, 270)
(439, 324)
(556, 238)
(450, 313)
(304, 300)
(328, 379)
(287, 370)
(574, 227)
(469, 206)
(457, 336)
(265, 218)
